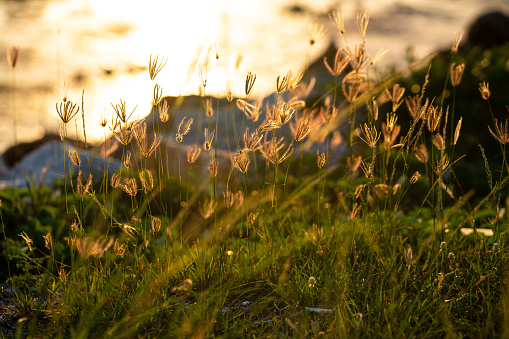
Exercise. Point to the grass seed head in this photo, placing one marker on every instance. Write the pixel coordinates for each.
(415, 177)
(362, 23)
(193, 152)
(456, 73)
(250, 80)
(13, 56)
(209, 137)
(154, 66)
(316, 31)
(337, 19)
(484, 88)
(67, 110)
(501, 133)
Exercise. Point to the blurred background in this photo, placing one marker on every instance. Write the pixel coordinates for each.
(103, 48)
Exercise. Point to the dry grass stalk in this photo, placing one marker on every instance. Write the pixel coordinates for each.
(80, 188)
(457, 131)
(87, 247)
(67, 110)
(415, 177)
(456, 73)
(369, 135)
(412, 104)
(439, 142)
(396, 96)
(75, 158)
(213, 168)
(147, 180)
(209, 110)
(484, 88)
(157, 95)
(48, 241)
(268, 125)
(251, 141)
(441, 164)
(115, 180)
(271, 151)
(154, 66)
(362, 23)
(282, 82)
(501, 133)
(316, 31)
(241, 160)
(27, 239)
(321, 159)
(457, 40)
(209, 137)
(163, 111)
(252, 111)
(183, 129)
(337, 19)
(421, 153)
(126, 160)
(193, 152)
(140, 132)
(341, 60)
(284, 112)
(302, 129)
(203, 75)
(372, 107)
(434, 115)
(156, 225)
(121, 112)
(294, 79)
(250, 80)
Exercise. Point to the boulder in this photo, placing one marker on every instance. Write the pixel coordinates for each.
(489, 30)
(45, 164)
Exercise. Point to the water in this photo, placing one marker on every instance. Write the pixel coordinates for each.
(103, 48)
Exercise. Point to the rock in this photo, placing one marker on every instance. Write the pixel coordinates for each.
(45, 165)
(489, 30)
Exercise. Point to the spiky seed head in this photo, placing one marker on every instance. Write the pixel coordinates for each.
(213, 168)
(439, 142)
(415, 177)
(457, 40)
(209, 137)
(484, 88)
(193, 152)
(75, 158)
(241, 160)
(321, 159)
(209, 110)
(362, 23)
(336, 18)
(157, 95)
(154, 66)
(48, 241)
(229, 94)
(316, 31)
(456, 73)
(156, 225)
(250, 80)
(457, 131)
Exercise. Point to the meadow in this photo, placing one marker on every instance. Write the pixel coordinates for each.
(402, 235)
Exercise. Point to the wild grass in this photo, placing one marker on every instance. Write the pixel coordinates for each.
(382, 240)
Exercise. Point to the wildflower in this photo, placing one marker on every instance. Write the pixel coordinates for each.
(67, 110)
(75, 158)
(362, 23)
(502, 132)
(13, 56)
(340, 62)
(415, 177)
(209, 110)
(154, 67)
(48, 241)
(250, 80)
(193, 152)
(315, 31)
(456, 73)
(241, 160)
(484, 88)
(456, 43)
(312, 282)
(229, 253)
(209, 137)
